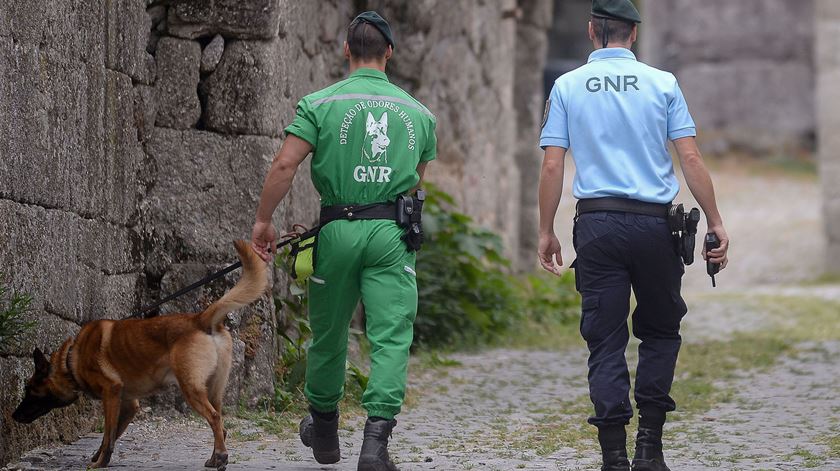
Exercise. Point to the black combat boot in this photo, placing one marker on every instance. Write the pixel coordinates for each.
(374, 455)
(319, 431)
(613, 440)
(648, 456)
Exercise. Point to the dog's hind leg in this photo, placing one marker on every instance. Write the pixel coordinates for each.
(193, 378)
(217, 383)
(197, 399)
(111, 404)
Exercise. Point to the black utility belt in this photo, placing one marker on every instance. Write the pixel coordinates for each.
(352, 212)
(683, 226)
(623, 205)
(406, 211)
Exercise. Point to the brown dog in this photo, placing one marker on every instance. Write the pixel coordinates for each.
(122, 361)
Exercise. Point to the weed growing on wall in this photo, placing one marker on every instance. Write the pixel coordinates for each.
(14, 325)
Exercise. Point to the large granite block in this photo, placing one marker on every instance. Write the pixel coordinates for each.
(127, 33)
(176, 91)
(732, 98)
(721, 30)
(244, 19)
(205, 193)
(243, 96)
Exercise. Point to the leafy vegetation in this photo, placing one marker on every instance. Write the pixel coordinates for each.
(467, 294)
(14, 326)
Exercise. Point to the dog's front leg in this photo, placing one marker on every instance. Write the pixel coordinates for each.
(128, 409)
(111, 405)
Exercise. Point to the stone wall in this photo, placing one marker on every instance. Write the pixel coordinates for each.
(135, 134)
(462, 60)
(135, 137)
(745, 66)
(70, 180)
(532, 43)
(827, 58)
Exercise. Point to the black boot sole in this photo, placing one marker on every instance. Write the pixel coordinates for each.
(373, 463)
(649, 465)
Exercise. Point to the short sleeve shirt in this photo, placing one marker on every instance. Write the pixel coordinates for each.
(368, 136)
(616, 116)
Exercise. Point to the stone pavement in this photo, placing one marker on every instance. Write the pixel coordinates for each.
(519, 409)
(474, 416)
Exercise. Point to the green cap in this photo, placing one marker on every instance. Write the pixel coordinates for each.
(373, 18)
(616, 10)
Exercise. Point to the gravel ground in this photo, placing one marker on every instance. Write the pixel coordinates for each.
(483, 413)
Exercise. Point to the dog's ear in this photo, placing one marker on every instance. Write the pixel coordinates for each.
(383, 121)
(42, 363)
(371, 121)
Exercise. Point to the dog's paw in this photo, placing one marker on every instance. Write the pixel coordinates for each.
(100, 463)
(95, 456)
(218, 461)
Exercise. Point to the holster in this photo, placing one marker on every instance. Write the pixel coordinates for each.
(683, 230)
(409, 216)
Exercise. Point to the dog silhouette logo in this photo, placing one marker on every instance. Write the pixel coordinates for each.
(375, 146)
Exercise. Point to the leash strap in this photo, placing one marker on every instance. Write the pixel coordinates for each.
(203, 281)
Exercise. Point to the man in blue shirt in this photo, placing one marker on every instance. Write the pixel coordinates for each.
(616, 115)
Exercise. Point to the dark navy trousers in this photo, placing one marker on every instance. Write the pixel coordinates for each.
(617, 252)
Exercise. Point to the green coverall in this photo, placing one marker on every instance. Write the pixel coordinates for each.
(368, 137)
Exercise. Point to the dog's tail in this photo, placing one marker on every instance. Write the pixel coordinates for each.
(251, 285)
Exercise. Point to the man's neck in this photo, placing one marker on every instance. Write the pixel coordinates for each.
(613, 45)
(376, 65)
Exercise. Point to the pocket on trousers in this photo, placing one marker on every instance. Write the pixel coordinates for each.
(574, 266)
(591, 227)
(588, 308)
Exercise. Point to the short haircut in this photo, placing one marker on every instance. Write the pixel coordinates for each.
(616, 29)
(365, 41)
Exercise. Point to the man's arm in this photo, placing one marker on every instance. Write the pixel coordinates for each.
(551, 189)
(700, 184)
(293, 151)
(421, 169)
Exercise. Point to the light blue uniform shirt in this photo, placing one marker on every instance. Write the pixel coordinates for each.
(616, 116)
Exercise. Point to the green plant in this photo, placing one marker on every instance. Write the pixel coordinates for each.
(544, 297)
(467, 294)
(14, 306)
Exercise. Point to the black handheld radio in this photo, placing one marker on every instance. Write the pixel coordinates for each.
(712, 242)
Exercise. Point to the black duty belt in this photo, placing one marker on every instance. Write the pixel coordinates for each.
(622, 205)
(358, 212)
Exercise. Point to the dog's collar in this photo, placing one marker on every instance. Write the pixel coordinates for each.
(70, 374)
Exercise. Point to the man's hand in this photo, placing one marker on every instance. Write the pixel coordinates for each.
(263, 238)
(550, 247)
(277, 183)
(718, 255)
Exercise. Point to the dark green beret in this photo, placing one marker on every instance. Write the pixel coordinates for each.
(616, 10)
(373, 18)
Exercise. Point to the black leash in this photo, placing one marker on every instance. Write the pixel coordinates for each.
(207, 279)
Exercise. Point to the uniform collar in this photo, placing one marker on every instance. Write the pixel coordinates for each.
(611, 53)
(372, 73)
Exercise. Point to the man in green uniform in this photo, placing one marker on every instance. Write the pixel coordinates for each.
(370, 142)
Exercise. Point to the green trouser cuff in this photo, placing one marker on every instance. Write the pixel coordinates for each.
(387, 415)
(323, 410)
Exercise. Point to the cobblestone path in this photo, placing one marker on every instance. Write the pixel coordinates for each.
(523, 409)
